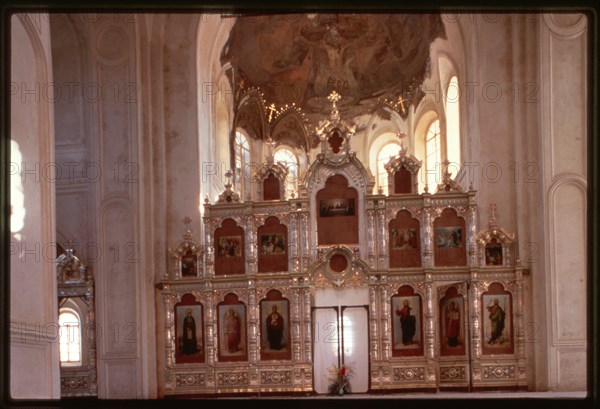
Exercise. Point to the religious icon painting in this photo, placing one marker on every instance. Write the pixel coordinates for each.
(452, 333)
(275, 328)
(189, 331)
(404, 239)
(189, 263)
(449, 237)
(493, 253)
(230, 246)
(407, 333)
(232, 330)
(272, 244)
(496, 318)
(336, 207)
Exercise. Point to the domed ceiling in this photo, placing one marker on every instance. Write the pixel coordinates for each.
(301, 58)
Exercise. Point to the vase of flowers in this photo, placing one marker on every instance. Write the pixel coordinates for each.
(339, 378)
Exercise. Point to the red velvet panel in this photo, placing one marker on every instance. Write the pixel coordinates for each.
(271, 188)
(405, 241)
(449, 240)
(272, 246)
(229, 249)
(402, 181)
(337, 212)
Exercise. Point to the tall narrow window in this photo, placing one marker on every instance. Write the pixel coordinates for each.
(287, 158)
(453, 123)
(383, 157)
(433, 155)
(70, 337)
(243, 172)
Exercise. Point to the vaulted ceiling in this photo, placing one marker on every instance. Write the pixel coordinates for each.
(301, 58)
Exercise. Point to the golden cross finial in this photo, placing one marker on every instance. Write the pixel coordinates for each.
(334, 97)
(401, 102)
(271, 109)
(187, 220)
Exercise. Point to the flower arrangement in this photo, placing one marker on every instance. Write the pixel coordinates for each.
(339, 378)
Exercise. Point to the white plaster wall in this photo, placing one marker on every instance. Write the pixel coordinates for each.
(563, 123)
(34, 363)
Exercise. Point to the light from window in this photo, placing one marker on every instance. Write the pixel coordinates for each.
(243, 172)
(383, 157)
(287, 158)
(433, 155)
(70, 338)
(453, 122)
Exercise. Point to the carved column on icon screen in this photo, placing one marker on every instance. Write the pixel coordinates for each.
(427, 238)
(210, 332)
(251, 256)
(382, 250)
(293, 244)
(429, 322)
(168, 302)
(307, 327)
(304, 228)
(373, 323)
(209, 255)
(295, 325)
(520, 324)
(471, 241)
(371, 237)
(252, 330)
(476, 290)
(385, 319)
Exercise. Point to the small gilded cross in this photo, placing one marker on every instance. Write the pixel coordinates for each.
(187, 220)
(401, 102)
(271, 109)
(334, 97)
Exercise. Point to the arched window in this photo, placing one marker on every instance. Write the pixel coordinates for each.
(453, 123)
(383, 157)
(433, 157)
(287, 158)
(243, 171)
(70, 337)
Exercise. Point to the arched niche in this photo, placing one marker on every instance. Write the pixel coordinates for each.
(337, 212)
(189, 330)
(407, 322)
(271, 187)
(273, 246)
(449, 239)
(229, 249)
(405, 241)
